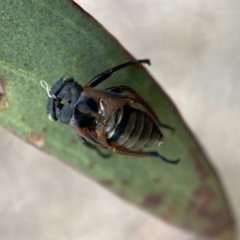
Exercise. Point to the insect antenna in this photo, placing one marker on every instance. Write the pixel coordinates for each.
(47, 88)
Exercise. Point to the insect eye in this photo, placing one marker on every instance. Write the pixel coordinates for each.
(64, 113)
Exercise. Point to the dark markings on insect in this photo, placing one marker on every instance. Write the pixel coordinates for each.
(106, 118)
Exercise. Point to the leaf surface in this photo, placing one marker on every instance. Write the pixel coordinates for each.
(48, 39)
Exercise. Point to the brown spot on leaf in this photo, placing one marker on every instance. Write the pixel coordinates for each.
(125, 182)
(201, 199)
(36, 139)
(201, 169)
(153, 200)
(170, 213)
(106, 182)
(3, 94)
(91, 165)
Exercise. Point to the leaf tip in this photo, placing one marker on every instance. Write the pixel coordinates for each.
(228, 234)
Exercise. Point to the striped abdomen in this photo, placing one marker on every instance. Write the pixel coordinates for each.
(133, 129)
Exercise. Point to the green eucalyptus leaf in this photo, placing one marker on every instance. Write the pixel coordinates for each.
(49, 39)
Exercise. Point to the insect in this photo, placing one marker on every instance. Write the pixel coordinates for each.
(106, 118)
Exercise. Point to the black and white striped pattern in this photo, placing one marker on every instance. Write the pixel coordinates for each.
(133, 129)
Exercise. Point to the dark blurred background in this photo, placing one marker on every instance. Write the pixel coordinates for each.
(194, 47)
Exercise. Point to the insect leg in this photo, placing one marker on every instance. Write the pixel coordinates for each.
(106, 74)
(94, 147)
(125, 151)
(137, 98)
